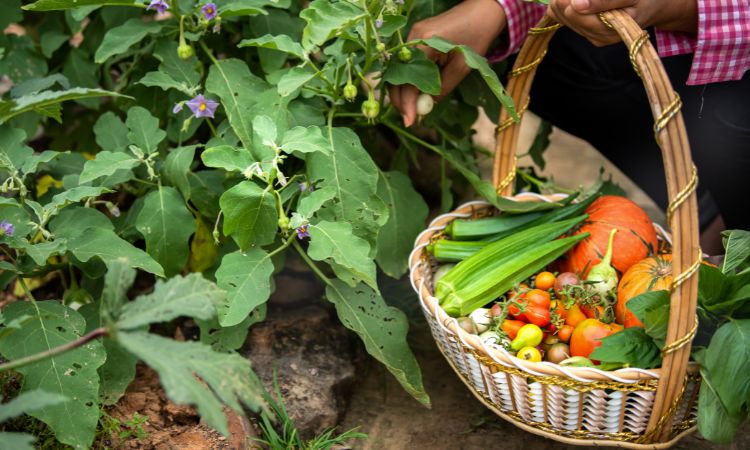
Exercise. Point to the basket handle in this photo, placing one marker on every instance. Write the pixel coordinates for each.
(682, 212)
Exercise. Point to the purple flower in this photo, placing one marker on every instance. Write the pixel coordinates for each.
(6, 228)
(305, 186)
(302, 232)
(400, 2)
(177, 108)
(378, 23)
(209, 10)
(159, 5)
(202, 107)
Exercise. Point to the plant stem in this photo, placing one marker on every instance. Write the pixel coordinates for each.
(411, 137)
(312, 264)
(83, 340)
(208, 52)
(211, 126)
(283, 246)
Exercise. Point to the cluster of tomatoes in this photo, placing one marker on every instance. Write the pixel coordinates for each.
(550, 321)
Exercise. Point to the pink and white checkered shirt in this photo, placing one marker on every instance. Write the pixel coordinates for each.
(721, 47)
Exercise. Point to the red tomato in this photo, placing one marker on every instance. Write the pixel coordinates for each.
(587, 336)
(511, 327)
(537, 315)
(538, 297)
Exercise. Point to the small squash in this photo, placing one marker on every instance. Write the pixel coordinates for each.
(650, 274)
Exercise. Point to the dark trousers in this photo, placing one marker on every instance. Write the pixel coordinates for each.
(594, 93)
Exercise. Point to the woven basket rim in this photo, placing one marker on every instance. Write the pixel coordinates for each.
(496, 353)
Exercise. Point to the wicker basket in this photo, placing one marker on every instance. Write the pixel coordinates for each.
(630, 408)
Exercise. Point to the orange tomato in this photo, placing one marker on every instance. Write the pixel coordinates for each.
(565, 332)
(538, 297)
(587, 336)
(544, 280)
(575, 316)
(511, 327)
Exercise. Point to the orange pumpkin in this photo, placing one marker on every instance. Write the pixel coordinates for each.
(651, 274)
(635, 238)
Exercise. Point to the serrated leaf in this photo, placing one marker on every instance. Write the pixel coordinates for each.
(13, 152)
(228, 158)
(325, 19)
(72, 374)
(335, 241)
(419, 72)
(74, 195)
(407, 213)
(280, 42)
(227, 339)
(40, 102)
(305, 140)
(118, 279)
(250, 216)
(177, 167)
(189, 296)
(33, 161)
(111, 132)
(108, 246)
(383, 330)
(350, 170)
(30, 401)
(475, 61)
(144, 129)
(294, 79)
(229, 377)
(35, 85)
(246, 276)
(53, 5)
(107, 163)
(166, 224)
(232, 81)
(119, 39)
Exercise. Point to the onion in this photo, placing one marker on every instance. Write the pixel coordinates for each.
(558, 353)
(564, 280)
(424, 104)
(481, 318)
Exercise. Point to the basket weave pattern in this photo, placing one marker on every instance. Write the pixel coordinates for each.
(630, 408)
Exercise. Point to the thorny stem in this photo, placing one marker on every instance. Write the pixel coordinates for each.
(72, 345)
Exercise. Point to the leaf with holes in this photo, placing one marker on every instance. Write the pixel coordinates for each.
(348, 254)
(72, 374)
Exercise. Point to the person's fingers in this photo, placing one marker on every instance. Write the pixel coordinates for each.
(597, 6)
(589, 26)
(394, 95)
(409, 96)
(452, 74)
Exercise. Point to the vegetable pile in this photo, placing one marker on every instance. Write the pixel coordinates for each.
(587, 284)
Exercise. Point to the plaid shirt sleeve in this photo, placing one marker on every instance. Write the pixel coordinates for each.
(521, 16)
(722, 45)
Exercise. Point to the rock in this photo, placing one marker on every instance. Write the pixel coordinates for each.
(313, 357)
(295, 284)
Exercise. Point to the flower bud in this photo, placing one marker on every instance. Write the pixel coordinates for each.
(404, 54)
(184, 51)
(380, 47)
(350, 92)
(370, 108)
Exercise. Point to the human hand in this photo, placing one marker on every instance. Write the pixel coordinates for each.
(581, 16)
(475, 23)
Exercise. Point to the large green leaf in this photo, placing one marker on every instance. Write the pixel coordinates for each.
(715, 423)
(119, 39)
(52, 5)
(182, 71)
(475, 61)
(177, 167)
(294, 79)
(305, 140)
(104, 243)
(72, 220)
(166, 82)
(228, 377)
(16, 441)
(419, 72)
(407, 213)
(631, 347)
(111, 132)
(228, 158)
(246, 276)
(190, 296)
(737, 245)
(350, 170)
(72, 374)
(144, 129)
(249, 214)
(311, 202)
(167, 225)
(107, 163)
(652, 309)
(347, 253)
(727, 362)
(42, 251)
(325, 18)
(47, 102)
(383, 330)
(280, 42)
(238, 88)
